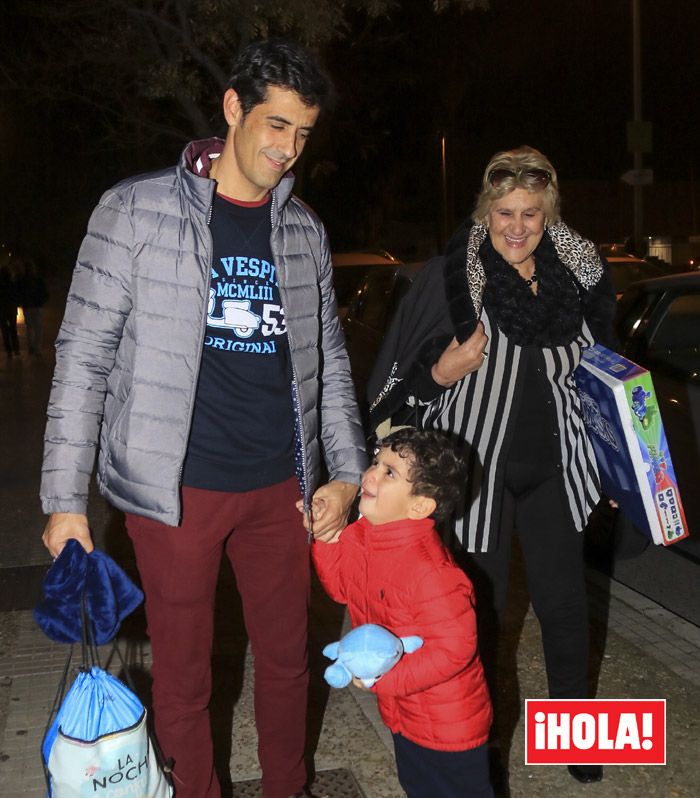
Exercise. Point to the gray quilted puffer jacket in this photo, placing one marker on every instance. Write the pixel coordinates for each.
(129, 349)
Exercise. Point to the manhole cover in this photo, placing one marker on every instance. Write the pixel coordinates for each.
(338, 783)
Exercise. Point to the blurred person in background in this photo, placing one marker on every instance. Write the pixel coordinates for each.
(8, 308)
(32, 295)
(484, 347)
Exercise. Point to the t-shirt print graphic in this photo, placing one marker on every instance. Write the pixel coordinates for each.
(244, 303)
(236, 315)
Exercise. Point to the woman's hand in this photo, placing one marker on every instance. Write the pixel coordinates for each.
(458, 360)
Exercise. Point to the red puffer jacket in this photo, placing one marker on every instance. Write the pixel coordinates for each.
(400, 576)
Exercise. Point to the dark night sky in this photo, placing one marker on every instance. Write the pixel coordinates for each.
(556, 75)
(559, 76)
(564, 72)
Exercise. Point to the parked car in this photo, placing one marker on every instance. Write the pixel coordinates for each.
(658, 324)
(350, 267)
(626, 269)
(369, 313)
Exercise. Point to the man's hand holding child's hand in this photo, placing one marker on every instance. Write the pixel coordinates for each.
(330, 506)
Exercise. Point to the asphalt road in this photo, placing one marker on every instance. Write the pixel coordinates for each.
(668, 575)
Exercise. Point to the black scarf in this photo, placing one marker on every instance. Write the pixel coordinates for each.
(552, 317)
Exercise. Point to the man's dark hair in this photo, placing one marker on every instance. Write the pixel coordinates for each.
(282, 63)
(436, 469)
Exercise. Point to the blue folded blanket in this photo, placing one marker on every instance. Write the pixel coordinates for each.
(109, 595)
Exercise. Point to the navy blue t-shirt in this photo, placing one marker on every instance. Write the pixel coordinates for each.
(242, 435)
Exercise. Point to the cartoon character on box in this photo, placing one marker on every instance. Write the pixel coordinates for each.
(639, 406)
(659, 468)
(366, 653)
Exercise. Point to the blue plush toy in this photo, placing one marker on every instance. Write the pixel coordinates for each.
(367, 652)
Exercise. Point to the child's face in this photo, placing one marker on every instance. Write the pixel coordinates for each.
(386, 495)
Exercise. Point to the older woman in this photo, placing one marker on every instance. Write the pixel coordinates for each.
(484, 346)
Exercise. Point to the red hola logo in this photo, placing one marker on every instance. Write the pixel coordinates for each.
(595, 732)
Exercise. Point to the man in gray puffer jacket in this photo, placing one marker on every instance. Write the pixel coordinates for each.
(202, 357)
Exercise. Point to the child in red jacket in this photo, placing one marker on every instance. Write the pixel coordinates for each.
(391, 569)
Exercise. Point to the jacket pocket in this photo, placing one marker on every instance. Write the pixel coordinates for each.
(115, 425)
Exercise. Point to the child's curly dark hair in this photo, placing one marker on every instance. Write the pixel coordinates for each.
(436, 468)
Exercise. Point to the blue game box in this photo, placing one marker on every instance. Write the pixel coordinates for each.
(624, 423)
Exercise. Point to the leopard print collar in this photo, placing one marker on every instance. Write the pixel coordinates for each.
(578, 254)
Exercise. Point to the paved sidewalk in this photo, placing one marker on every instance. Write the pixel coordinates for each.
(30, 670)
(646, 653)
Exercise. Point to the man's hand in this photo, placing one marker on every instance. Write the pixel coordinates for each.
(459, 360)
(329, 510)
(62, 527)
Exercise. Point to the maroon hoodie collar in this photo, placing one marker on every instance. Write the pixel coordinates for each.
(200, 154)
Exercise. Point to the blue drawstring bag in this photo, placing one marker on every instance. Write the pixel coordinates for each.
(98, 743)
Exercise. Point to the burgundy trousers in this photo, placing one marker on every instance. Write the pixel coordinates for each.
(263, 536)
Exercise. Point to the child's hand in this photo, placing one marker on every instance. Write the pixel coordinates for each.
(358, 683)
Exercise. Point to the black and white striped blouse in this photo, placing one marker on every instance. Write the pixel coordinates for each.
(477, 409)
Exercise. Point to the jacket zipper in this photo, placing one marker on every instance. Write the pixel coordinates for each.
(295, 396)
(199, 355)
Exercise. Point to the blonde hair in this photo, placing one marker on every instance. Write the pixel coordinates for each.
(519, 161)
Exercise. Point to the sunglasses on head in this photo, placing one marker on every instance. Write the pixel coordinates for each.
(533, 178)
